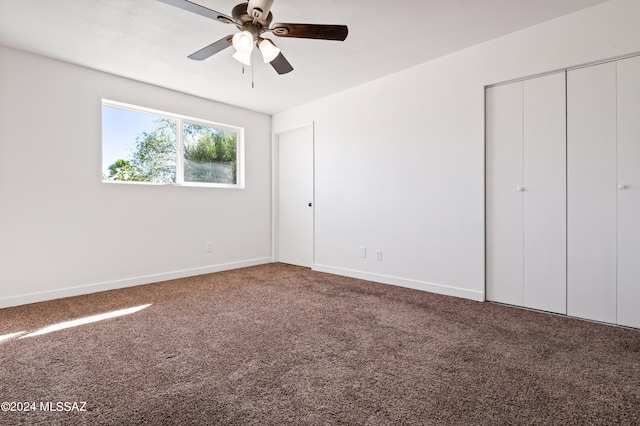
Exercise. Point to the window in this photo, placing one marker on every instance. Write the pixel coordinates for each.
(147, 146)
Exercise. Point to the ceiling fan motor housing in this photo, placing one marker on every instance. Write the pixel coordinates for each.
(259, 8)
(245, 21)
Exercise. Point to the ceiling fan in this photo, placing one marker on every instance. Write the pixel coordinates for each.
(253, 19)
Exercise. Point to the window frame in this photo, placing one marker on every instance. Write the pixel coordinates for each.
(180, 120)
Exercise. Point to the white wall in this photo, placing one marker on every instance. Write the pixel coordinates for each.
(64, 232)
(400, 161)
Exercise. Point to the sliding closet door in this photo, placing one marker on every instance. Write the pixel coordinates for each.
(591, 198)
(545, 215)
(629, 192)
(504, 164)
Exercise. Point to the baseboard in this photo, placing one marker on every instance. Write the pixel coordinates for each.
(129, 282)
(403, 282)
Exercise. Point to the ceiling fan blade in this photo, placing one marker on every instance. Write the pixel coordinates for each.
(212, 49)
(200, 10)
(322, 32)
(281, 65)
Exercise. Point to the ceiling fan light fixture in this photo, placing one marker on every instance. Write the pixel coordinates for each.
(253, 18)
(268, 49)
(243, 42)
(243, 58)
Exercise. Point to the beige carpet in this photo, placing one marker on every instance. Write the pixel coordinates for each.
(278, 344)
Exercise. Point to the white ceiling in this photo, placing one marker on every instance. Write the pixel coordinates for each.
(149, 41)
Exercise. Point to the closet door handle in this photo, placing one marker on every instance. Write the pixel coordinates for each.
(520, 188)
(623, 186)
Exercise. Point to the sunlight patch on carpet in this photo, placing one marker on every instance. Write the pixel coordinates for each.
(10, 336)
(86, 320)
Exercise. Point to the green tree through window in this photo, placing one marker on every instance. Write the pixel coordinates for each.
(209, 154)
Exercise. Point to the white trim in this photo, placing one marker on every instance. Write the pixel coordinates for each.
(275, 167)
(179, 152)
(128, 282)
(293, 129)
(275, 164)
(446, 290)
(566, 69)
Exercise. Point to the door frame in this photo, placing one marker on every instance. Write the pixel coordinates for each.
(275, 188)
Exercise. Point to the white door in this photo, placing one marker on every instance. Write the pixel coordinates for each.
(504, 227)
(629, 192)
(526, 193)
(295, 196)
(591, 197)
(545, 195)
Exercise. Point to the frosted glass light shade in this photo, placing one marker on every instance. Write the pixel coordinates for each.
(242, 58)
(269, 50)
(243, 42)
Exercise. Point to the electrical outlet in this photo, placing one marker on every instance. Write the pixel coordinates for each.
(379, 255)
(363, 252)
(208, 247)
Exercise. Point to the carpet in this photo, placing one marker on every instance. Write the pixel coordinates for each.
(278, 344)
